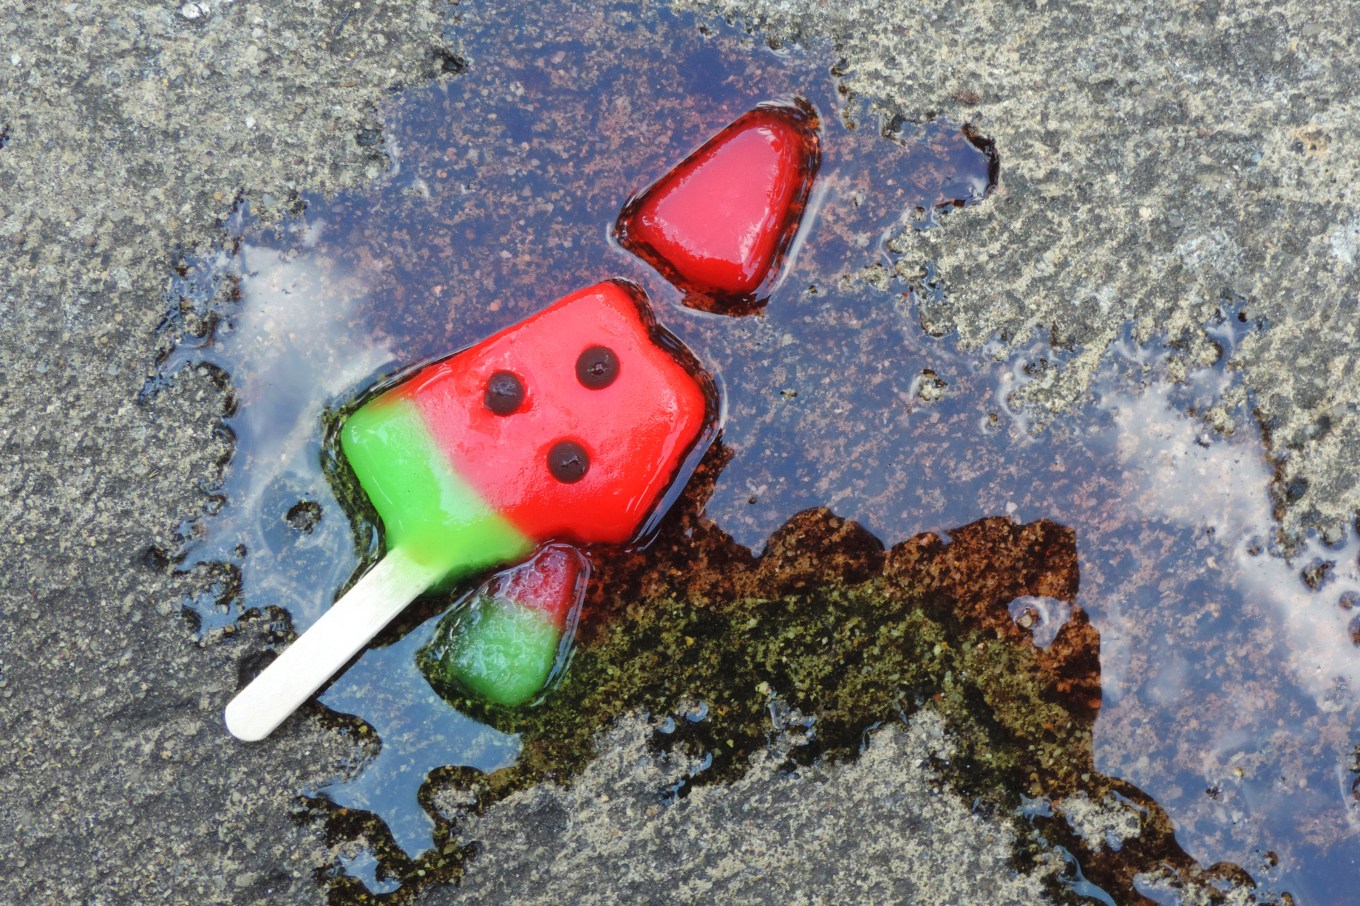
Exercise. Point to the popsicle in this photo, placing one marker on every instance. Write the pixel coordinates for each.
(719, 223)
(576, 425)
(505, 640)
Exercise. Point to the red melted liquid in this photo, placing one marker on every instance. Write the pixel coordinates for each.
(719, 223)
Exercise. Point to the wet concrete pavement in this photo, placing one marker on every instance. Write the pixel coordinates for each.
(1158, 164)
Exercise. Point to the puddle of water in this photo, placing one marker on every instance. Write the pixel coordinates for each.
(1228, 670)
(417, 732)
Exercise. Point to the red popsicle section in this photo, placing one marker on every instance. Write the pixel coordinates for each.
(719, 223)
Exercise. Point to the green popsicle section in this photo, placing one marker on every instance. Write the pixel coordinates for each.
(426, 508)
(497, 650)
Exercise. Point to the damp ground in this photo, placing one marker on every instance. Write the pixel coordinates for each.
(1160, 166)
(853, 550)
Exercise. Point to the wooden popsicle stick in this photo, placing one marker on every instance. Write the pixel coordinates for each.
(382, 593)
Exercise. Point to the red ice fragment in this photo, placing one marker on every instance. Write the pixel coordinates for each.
(550, 584)
(719, 223)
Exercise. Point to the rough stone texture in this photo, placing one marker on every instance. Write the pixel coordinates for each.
(1106, 824)
(126, 131)
(1155, 162)
(770, 837)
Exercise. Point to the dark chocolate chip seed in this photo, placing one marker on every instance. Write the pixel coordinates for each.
(597, 367)
(568, 461)
(504, 393)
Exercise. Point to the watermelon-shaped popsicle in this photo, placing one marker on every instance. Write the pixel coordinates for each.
(572, 425)
(719, 223)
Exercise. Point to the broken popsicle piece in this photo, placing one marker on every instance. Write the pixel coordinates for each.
(719, 223)
(505, 641)
(574, 425)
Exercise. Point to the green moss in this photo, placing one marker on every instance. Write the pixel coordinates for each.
(850, 657)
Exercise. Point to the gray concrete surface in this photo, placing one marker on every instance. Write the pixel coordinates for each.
(768, 838)
(1156, 162)
(129, 130)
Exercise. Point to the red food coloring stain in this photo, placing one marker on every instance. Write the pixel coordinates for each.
(720, 222)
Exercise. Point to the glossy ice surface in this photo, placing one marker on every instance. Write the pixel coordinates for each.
(569, 426)
(550, 585)
(503, 643)
(501, 653)
(426, 506)
(720, 221)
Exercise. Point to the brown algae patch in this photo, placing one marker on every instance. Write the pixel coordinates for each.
(845, 639)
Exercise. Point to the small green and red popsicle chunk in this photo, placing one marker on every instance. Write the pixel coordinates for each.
(719, 223)
(572, 426)
(503, 642)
